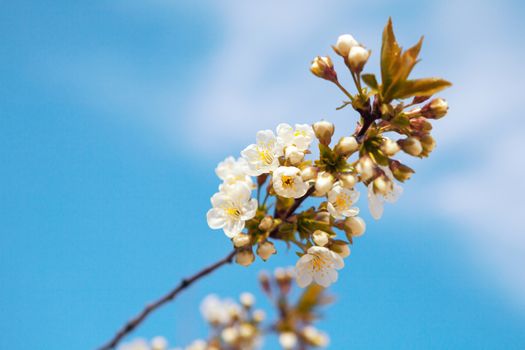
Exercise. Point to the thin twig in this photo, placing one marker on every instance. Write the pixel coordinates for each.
(185, 283)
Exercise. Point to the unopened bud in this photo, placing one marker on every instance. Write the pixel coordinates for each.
(354, 227)
(357, 58)
(246, 331)
(389, 147)
(288, 340)
(400, 171)
(347, 180)
(344, 43)
(264, 281)
(411, 145)
(266, 224)
(323, 184)
(294, 155)
(241, 240)
(323, 131)
(245, 257)
(428, 144)
(436, 109)
(346, 146)
(340, 248)
(420, 125)
(159, 343)
(320, 238)
(247, 299)
(265, 250)
(315, 337)
(323, 67)
(366, 168)
(323, 216)
(382, 185)
(259, 315)
(229, 335)
(309, 173)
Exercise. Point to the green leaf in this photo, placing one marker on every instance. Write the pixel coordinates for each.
(371, 81)
(390, 54)
(421, 87)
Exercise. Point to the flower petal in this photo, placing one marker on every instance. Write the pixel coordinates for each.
(216, 218)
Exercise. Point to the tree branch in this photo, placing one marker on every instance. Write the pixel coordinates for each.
(185, 283)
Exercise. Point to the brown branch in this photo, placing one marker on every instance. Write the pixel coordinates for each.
(185, 283)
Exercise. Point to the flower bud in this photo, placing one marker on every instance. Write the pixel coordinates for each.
(366, 168)
(265, 250)
(420, 125)
(259, 315)
(323, 216)
(266, 224)
(346, 146)
(400, 171)
(382, 185)
(347, 180)
(411, 145)
(323, 67)
(354, 226)
(323, 184)
(323, 131)
(320, 238)
(241, 240)
(229, 335)
(340, 248)
(436, 109)
(246, 331)
(309, 173)
(315, 337)
(247, 299)
(159, 343)
(344, 43)
(389, 147)
(294, 155)
(357, 58)
(428, 143)
(264, 281)
(288, 340)
(245, 257)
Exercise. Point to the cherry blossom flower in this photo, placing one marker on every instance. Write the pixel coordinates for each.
(340, 202)
(217, 311)
(376, 200)
(263, 156)
(301, 137)
(232, 206)
(288, 183)
(319, 265)
(232, 171)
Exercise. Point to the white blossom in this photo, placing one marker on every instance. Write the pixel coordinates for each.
(288, 340)
(217, 311)
(315, 336)
(263, 156)
(232, 171)
(340, 202)
(301, 137)
(319, 265)
(376, 200)
(288, 182)
(232, 206)
(344, 43)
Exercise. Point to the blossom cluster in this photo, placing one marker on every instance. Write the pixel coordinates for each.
(276, 165)
(238, 325)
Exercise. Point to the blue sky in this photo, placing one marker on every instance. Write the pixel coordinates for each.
(114, 114)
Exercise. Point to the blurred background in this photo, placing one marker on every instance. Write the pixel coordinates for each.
(114, 114)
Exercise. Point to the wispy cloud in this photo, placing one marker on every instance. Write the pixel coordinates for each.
(258, 77)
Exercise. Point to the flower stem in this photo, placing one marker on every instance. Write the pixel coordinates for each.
(185, 283)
